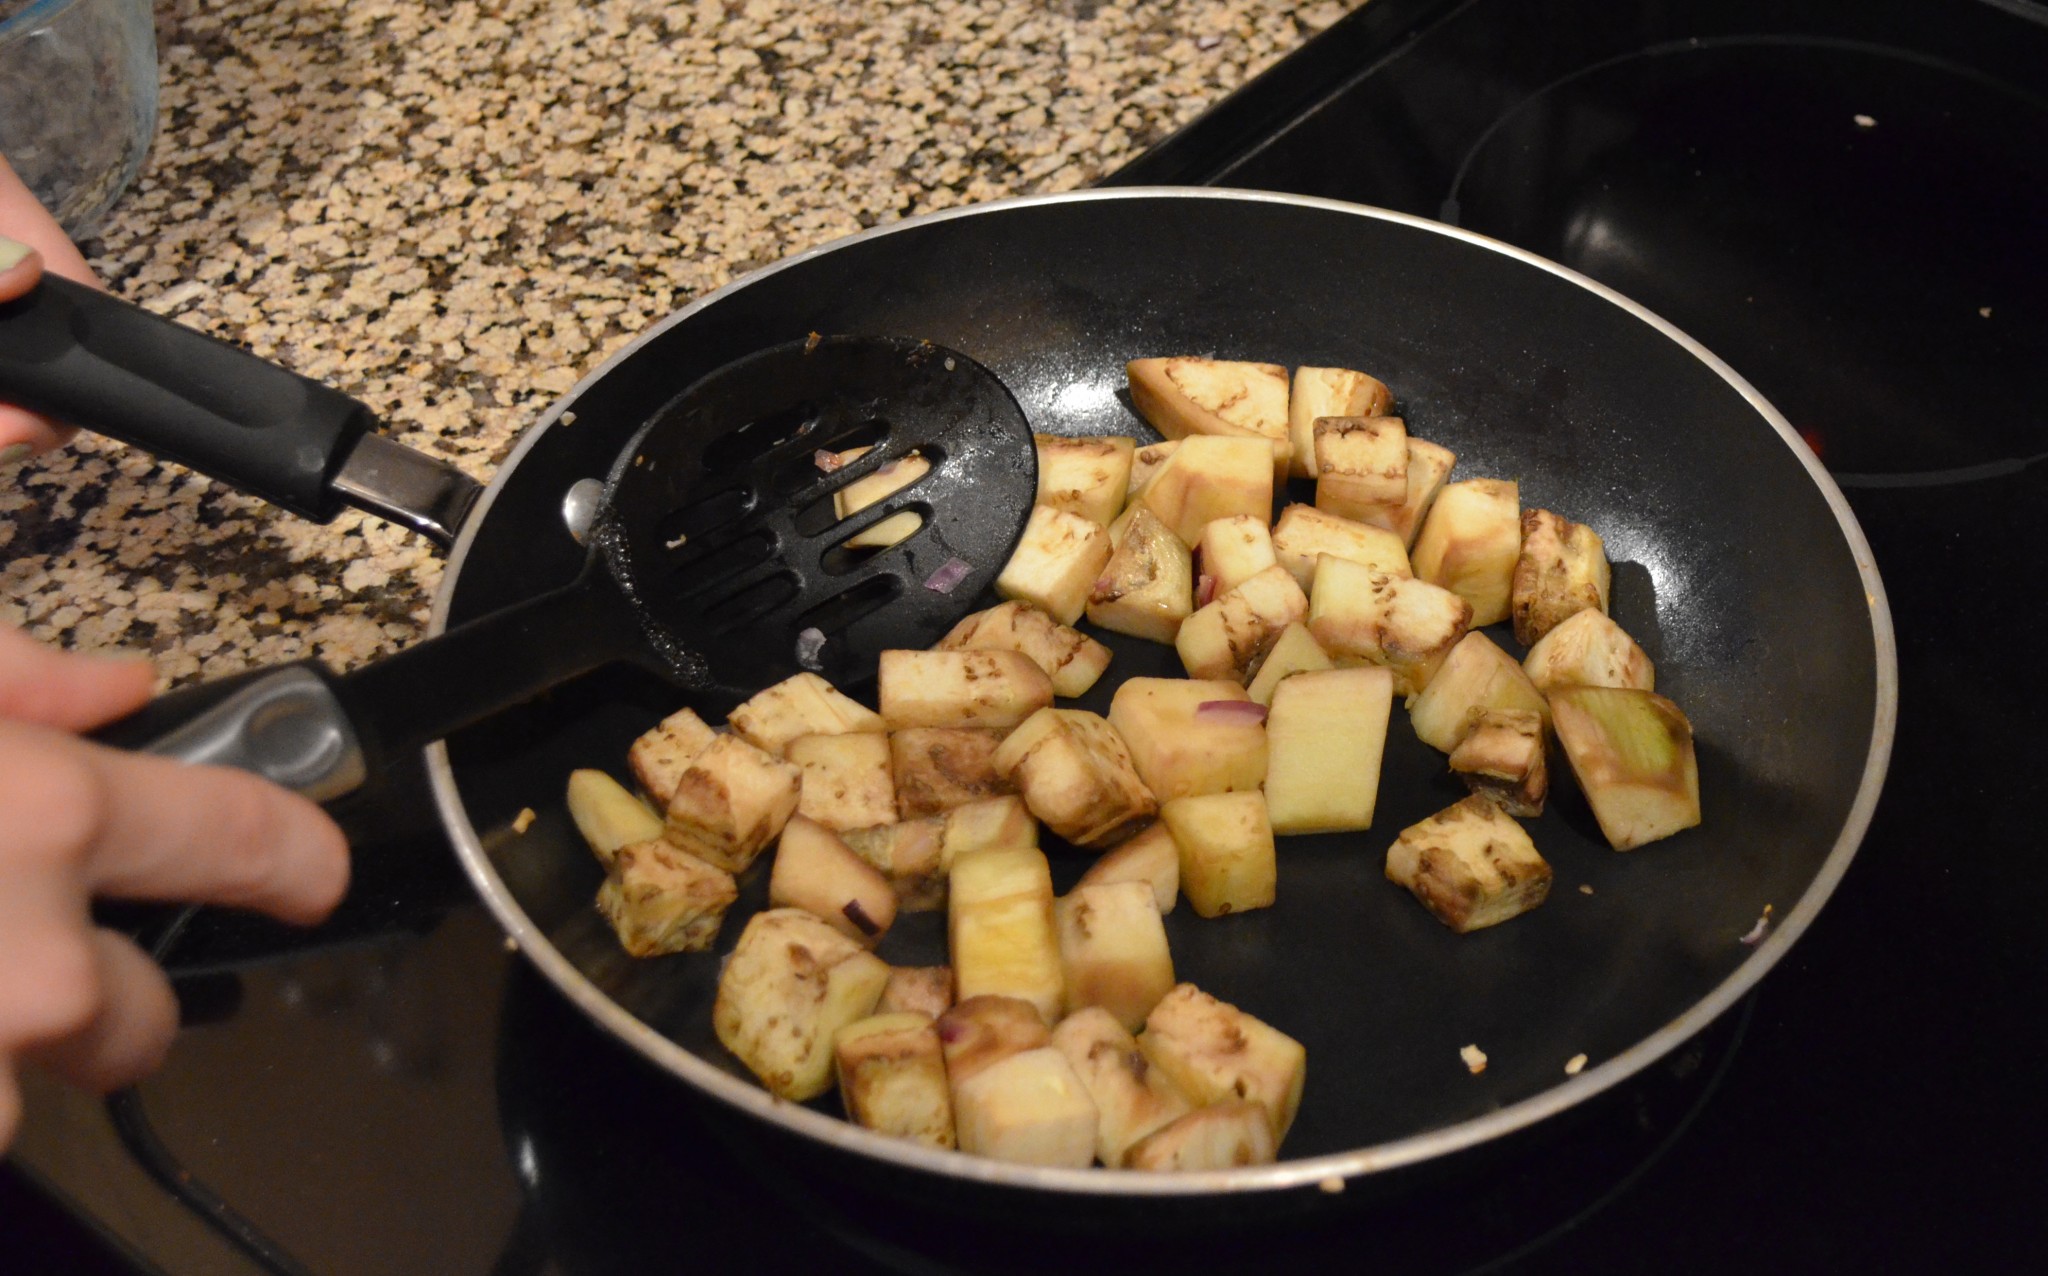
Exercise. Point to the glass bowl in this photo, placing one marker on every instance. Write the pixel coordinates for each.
(78, 83)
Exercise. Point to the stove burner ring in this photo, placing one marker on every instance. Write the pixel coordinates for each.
(1789, 202)
(1942, 478)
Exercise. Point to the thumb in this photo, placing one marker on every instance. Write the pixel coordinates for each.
(65, 690)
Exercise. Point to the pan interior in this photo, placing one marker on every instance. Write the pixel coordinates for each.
(1732, 568)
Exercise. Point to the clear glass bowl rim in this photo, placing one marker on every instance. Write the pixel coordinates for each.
(37, 14)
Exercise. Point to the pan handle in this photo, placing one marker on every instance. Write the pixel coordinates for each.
(110, 366)
(324, 734)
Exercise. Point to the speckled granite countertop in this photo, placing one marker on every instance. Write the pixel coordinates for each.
(453, 211)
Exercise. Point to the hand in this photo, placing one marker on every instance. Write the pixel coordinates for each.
(79, 820)
(25, 224)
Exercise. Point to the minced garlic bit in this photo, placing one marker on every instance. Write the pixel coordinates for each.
(524, 820)
(809, 644)
(1333, 1185)
(1757, 932)
(1475, 1059)
(1574, 1065)
(1585, 890)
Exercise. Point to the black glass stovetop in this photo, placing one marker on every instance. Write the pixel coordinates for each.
(1846, 201)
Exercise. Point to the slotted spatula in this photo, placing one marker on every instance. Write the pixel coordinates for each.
(716, 558)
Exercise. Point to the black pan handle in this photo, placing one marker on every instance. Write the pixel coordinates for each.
(93, 360)
(323, 734)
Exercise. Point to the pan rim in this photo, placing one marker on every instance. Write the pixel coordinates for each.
(1327, 1172)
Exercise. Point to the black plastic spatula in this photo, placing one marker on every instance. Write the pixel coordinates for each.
(717, 558)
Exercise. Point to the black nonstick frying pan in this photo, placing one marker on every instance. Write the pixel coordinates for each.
(1737, 564)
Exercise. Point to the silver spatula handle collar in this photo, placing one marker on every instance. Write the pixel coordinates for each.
(287, 727)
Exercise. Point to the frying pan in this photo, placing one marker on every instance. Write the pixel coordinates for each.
(1737, 565)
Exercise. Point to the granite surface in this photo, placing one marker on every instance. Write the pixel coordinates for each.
(455, 210)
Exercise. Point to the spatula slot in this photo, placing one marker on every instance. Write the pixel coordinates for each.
(815, 464)
(703, 516)
(748, 604)
(760, 436)
(877, 485)
(842, 610)
(704, 564)
(874, 539)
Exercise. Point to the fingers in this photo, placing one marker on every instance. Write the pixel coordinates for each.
(49, 977)
(24, 219)
(130, 1026)
(25, 223)
(132, 826)
(216, 836)
(100, 1013)
(23, 433)
(84, 1002)
(78, 820)
(67, 690)
(21, 268)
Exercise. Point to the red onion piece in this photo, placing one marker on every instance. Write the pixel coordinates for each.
(1205, 591)
(948, 577)
(859, 917)
(827, 461)
(1247, 711)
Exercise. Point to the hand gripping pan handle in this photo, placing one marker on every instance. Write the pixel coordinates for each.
(111, 367)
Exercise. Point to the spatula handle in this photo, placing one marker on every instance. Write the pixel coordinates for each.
(95, 361)
(323, 734)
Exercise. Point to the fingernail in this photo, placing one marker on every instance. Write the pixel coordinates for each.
(15, 452)
(12, 252)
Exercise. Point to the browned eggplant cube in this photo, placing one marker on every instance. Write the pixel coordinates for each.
(663, 900)
(1216, 1052)
(848, 779)
(791, 984)
(976, 1032)
(1501, 759)
(732, 801)
(817, 872)
(802, 704)
(960, 688)
(1562, 571)
(928, 990)
(1070, 658)
(892, 1078)
(659, 757)
(1076, 776)
(607, 815)
(1132, 1098)
(1632, 754)
(1471, 865)
(939, 768)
